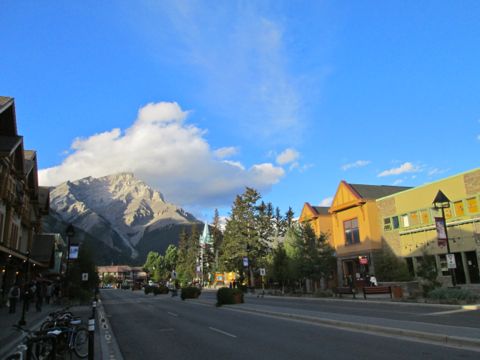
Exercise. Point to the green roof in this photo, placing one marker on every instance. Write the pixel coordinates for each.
(377, 191)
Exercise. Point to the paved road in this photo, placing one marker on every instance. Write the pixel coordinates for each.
(431, 314)
(148, 327)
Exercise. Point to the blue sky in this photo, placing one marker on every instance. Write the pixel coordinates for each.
(202, 98)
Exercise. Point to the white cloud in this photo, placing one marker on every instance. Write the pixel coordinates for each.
(287, 156)
(166, 152)
(407, 167)
(246, 64)
(225, 152)
(436, 171)
(356, 164)
(398, 182)
(327, 201)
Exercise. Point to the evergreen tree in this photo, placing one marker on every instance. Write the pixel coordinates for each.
(280, 266)
(171, 256)
(289, 218)
(217, 239)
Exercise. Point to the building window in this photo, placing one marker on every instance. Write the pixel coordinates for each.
(414, 218)
(14, 237)
(472, 205)
(443, 265)
(405, 221)
(448, 213)
(2, 218)
(387, 224)
(424, 217)
(352, 236)
(396, 223)
(459, 209)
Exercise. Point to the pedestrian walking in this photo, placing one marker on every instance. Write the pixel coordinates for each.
(49, 293)
(40, 295)
(13, 296)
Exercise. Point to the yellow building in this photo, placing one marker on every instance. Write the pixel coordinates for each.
(318, 218)
(407, 223)
(355, 228)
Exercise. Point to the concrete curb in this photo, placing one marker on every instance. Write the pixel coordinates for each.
(370, 301)
(108, 343)
(471, 343)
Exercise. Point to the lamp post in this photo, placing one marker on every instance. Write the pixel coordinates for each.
(70, 234)
(26, 291)
(442, 202)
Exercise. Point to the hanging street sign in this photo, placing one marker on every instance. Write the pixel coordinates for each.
(245, 261)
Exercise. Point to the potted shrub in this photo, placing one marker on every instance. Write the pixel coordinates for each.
(227, 296)
(190, 292)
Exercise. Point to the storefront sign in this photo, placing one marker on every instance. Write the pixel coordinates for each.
(73, 255)
(363, 260)
(451, 264)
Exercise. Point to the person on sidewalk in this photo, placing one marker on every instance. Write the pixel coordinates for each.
(373, 281)
(40, 294)
(49, 293)
(13, 296)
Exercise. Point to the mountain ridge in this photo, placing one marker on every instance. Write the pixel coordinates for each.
(117, 207)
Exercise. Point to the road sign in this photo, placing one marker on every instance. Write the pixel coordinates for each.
(84, 276)
(174, 274)
(451, 264)
(262, 271)
(245, 261)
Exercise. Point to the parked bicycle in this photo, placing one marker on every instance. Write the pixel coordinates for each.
(36, 345)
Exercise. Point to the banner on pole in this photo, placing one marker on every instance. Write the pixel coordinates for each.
(441, 232)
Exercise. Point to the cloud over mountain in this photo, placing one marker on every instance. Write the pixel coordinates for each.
(161, 148)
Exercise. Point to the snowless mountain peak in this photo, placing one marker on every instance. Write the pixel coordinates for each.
(126, 203)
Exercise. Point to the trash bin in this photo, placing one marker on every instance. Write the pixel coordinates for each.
(397, 292)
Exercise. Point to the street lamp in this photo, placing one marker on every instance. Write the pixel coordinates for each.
(26, 291)
(70, 234)
(442, 202)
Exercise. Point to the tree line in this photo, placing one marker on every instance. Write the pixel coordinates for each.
(290, 252)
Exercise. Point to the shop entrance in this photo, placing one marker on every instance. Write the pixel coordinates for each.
(459, 271)
(472, 266)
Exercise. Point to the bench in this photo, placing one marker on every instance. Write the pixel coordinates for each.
(370, 290)
(345, 290)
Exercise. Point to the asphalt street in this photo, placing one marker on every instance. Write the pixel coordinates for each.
(432, 314)
(153, 327)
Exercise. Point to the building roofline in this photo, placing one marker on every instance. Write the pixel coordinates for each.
(430, 183)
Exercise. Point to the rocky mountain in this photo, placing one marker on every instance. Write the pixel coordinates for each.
(120, 211)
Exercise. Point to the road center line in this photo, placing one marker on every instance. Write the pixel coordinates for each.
(222, 332)
(173, 314)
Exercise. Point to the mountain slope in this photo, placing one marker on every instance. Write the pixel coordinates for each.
(117, 210)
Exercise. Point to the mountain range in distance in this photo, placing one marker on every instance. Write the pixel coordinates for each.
(120, 216)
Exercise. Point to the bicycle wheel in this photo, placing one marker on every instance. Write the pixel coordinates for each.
(48, 324)
(80, 342)
(42, 349)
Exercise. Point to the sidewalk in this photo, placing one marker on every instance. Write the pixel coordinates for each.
(10, 337)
